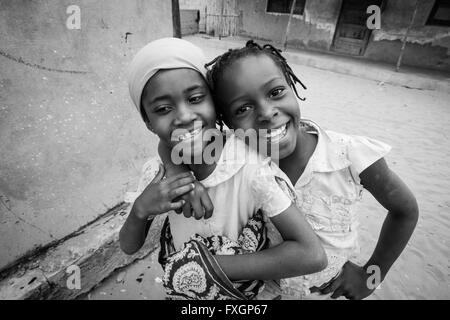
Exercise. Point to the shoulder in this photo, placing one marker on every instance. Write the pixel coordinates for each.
(361, 151)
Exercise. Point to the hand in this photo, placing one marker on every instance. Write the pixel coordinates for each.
(197, 203)
(351, 283)
(158, 196)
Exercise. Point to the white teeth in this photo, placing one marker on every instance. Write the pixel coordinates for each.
(276, 135)
(189, 135)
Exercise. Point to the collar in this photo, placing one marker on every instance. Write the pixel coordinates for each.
(234, 156)
(329, 155)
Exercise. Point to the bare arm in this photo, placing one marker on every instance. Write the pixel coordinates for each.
(403, 212)
(300, 253)
(157, 198)
(133, 233)
(392, 193)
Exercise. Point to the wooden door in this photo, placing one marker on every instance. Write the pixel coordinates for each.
(352, 35)
(222, 18)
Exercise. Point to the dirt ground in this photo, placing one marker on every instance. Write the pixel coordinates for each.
(415, 123)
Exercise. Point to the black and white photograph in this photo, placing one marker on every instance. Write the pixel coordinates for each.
(243, 150)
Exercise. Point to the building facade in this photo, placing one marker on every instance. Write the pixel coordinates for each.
(338, 26)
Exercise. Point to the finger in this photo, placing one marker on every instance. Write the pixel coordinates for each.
(332, 286)
(180, 191)
(338, 293)
(181, 182)
(198, 209)
(207, 205)
(350, 296)
(174, 205)
(187, 211)
(178, 176)
(314, 289)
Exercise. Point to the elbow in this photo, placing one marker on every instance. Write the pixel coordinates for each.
(128, 251)
(311, 260)
(126, 248)
(409, 213)
(320, 260)
(414, 210)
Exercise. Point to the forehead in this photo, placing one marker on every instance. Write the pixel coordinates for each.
(172, 81)
(251, 69)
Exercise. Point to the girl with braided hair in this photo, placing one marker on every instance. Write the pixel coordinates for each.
(255, 88)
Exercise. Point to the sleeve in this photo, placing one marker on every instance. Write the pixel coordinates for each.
(149, 171)
(363, 152)
(269, 192)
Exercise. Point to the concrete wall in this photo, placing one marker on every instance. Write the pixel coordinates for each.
(71, 142)
(314, 29)
(427, 46)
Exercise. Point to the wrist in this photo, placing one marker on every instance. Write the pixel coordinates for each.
(372, 267)
(139, 213)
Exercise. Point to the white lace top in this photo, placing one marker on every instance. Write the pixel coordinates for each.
(328, 193)
(242, 183)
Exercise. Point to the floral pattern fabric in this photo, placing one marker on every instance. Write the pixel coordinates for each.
(193, 273)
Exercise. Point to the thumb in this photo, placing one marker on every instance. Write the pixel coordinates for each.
(159, 175)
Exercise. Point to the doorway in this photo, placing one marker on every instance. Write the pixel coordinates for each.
(352, 35)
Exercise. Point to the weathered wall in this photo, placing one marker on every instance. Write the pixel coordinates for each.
(427, 46)
(314, 29)
(71, 143)
(189, 21)
(200, 5)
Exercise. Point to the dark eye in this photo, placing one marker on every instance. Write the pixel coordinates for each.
(242, 109)
(276, 92)
(164, 109)
(196, 99)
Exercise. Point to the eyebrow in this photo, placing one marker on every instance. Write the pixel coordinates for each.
(194, 87)
(264, 85)
(167, 96)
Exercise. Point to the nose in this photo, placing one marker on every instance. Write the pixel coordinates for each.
(266, 112)
(184, 115)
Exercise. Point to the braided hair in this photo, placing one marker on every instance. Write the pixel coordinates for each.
(218, 65)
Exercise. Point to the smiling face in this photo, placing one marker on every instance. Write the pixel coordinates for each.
(254, 94)
(179, 107)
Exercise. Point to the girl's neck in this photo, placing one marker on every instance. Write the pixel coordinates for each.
(294, 164)
(203, 170)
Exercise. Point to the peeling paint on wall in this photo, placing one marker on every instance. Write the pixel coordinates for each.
(414, 36)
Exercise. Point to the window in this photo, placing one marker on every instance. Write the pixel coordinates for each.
(284, 6)
(440, 14)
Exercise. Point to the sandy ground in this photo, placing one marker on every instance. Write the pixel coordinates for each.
(415, 123)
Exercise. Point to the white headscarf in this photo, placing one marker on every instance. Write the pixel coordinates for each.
(165, 53)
